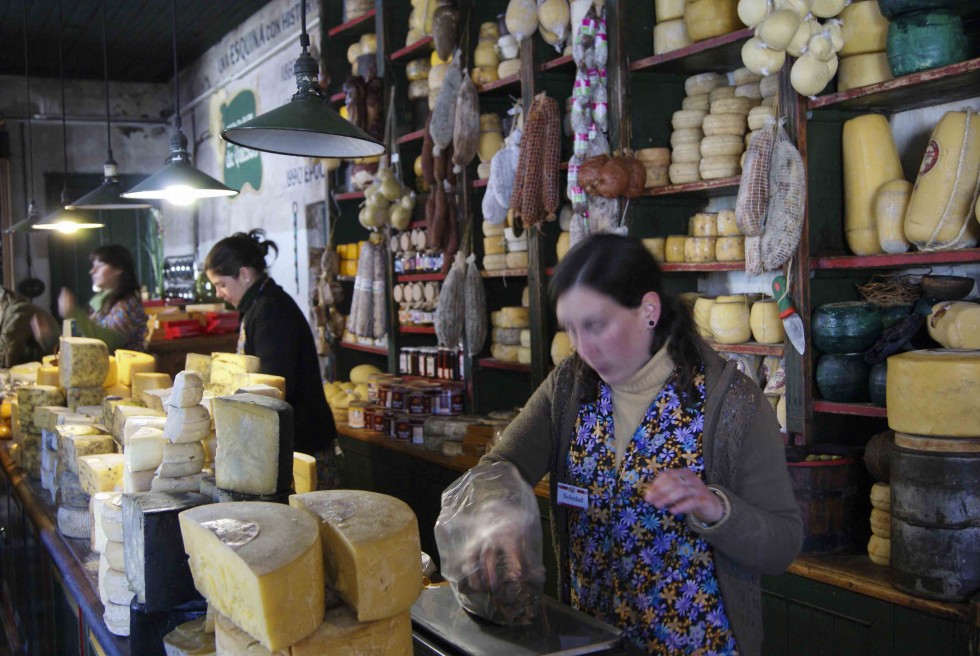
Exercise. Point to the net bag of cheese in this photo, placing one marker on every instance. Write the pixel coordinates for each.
(489, 539)
(784, 214)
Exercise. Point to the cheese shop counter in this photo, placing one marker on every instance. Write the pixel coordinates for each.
(171, 354)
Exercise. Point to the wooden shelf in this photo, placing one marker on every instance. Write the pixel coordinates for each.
(417, 330)
(349, 195)
(354, 27)
(505, 273)
(751, 348)
(558, 63)
(923, 89)
(860, 409)
(420, 47)
(376, 350)
(493, 363)
(501, 85)
(338, 97)
(703, 266)
(961, 256)
(721, 54)
(720, 187)
(418, 135)
(418, 277)
(479, 183)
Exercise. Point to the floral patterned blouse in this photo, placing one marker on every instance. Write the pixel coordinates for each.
(632, 565)
(127, 318)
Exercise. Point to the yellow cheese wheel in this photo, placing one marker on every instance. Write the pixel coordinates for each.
(670, 35)
(880, 549)
(864, 28)
(703, 83)
(668, 9)
(727, 227)
(881, 523)
(891, 202)
(493, 245)
(701, 101)
(699, 249)
(513, 317)
(685, 136)
(934, 392)
(657, 247)
(724, 166)
(938, 215)
(729, 321)
(724, 124)
(736, 105)
(653, 156)
(724, 91)
(870, 160)
(710, 18)
(881, 497)
(861, 70)
(703, 224)
(684, 173)
(730, 249)
(674, 248)
(686, 154)
(496, 262)
(720, 145)
(561, 347)
(767, 327)
(702, 316)
(493, 229)
(687, 118)
(955, 324)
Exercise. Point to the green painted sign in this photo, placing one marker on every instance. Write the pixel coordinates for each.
(242, 165)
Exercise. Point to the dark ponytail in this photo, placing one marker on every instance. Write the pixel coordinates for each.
(229, 255)
(127, 285)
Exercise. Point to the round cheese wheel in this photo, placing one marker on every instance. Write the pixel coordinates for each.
(686, 154)
(727, 226)
(493, 229)
(729, 321)
(700, 101)
(666, 10)
(703, 224)
(718, 93)
(653, 156)
(881, 521)
(742, 76)
(702, 316)
(714, 168)
(657, 247)
(864, 28)
(955, 324)
(861, 70)
(493, 245)
(687, 118)
(719, 145)
(703, 83)
(495, 262)
(767, 327)
(686, 136)
(670, 35)
(724, 124)
(699, 249)
(730, 249)
(879, 548)
(674, 248)
(684, 173)
(517, 260)
(881, 497)
(750, 91)
(736, 105)
(934, 392)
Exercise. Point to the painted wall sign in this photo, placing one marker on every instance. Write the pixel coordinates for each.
(241, 165)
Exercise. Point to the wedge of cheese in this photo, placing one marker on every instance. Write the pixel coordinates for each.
(361, 530)
(79, 396)
(304, 473)
(144, 381)
(133, 362)
(200, 364)
(226, 367)
(101, 473)
(190, 639)
(83, 362)
(112, 376)
(260, 565)
(144, 449)
(249, 380)
(255, 444)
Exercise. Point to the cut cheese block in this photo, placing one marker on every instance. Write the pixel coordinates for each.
(82, 362)
(864, 29)
(255, 444)
(182, 459)
(201, 364)
(934, 392)
(955, 324)
(861, 70)
(133, 362)
(191, 424)
(190, 639)
(146, 381)
(98, 538)
(135, 424)
(137, 481)
(74, 447)
(30, 397)
(250, 380)
(260, 565)
(69, 491)
(92, 411)
(361, 530)
(524, 355)
(144, 449)
(101, 473)
(46, 416)
(156, 565)
(191, 483)
(121, 414)
(188, 389)
(112, 376)
(232, 639)
(115, 555)
(118, 390)
(341, 634)
(47, 375)
(158, 399)
(79, 396)
(73, 522)
(116, 618)
(880, 549)
(870, 160)
(226, 367)
(304, 473)
(891, 201)
(113, 587)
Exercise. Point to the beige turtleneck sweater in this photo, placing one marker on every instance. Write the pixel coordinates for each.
(632, 398)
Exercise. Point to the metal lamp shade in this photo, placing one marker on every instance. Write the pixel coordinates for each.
(107, 196)
(67, 222)
(179, 183)
(306, 127)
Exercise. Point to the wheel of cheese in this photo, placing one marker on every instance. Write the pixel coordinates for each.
(724, 91)
(881, 497)
(709, 18)
(684, 173)
(703, 224)
(687, 118)
(891, 201)
(686, 154)
(744, 76)
(674, 248)
(881, 522)
(657, 246)
(495, 262)
(757, 117)
(729, 321)
(861, 70)
(767, 327)
(670, 35)
(720, 145)
(703, 83)
(750, 91)
(653, 156)
(699, 249)
(516, 260)
(769, 85)
(955, 324)
(735, 105)
(727, 227)
(493, 245)
(879, 548)
(493, 229)
(702, 316)
(730, 249)
(714, 168)
(656, 176)
(700, 101)
(666, 10)
(934, 392)
(686, 136)
(724, 124)
(865, 29)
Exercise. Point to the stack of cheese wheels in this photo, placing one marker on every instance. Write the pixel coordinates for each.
(880, 544)
(27, 435)
(128, 364)
(505, 335)
(656, 161)
(515, 247)
(361, 546)
(107, 541)
(670, 32)
(863, 57)
(494, 255)
(188, 425)
(685, 140)
(46, 419)
(724, 129)
(730, 245)
(702, 235)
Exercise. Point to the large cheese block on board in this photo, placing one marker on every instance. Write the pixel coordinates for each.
(226, 367)
(133, 362)
(934, 392)
(255, 444)
(870, 160)
(201, 364)
(341, 634)
(371, 546)
(143, 381)
(260, 565)
(74, 447)
(83, 362)
(940, 211)
(101, 473)
(156, 565)
(190, 639)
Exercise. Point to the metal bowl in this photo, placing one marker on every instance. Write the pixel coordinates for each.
(946, 288)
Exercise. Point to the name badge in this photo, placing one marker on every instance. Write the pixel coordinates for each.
(573, 497)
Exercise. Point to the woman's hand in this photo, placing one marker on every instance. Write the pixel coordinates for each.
(66, 302)
(682, 491)
(41, 330)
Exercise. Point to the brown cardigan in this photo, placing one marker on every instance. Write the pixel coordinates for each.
(743, 457)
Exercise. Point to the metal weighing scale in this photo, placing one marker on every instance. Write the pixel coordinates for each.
(442, 628)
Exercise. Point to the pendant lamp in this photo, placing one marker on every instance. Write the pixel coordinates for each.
(62, 220)
(107, 195)
(306, 125)
(179, 182)
(33, 216)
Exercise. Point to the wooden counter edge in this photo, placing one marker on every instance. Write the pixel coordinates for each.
(850, 572)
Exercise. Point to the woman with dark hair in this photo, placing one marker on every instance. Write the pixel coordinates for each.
(274, 329)
(116, 314)
(669, 488)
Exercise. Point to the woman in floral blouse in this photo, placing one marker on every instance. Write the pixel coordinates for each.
(669, 488)
(116, 314)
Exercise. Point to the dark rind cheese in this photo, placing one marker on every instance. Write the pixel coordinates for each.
(147, 628)
(156, 565)
(254, 432)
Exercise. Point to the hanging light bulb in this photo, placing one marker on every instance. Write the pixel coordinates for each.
(306, 125)
(62, 220)
(107, 195)
(179, 182)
